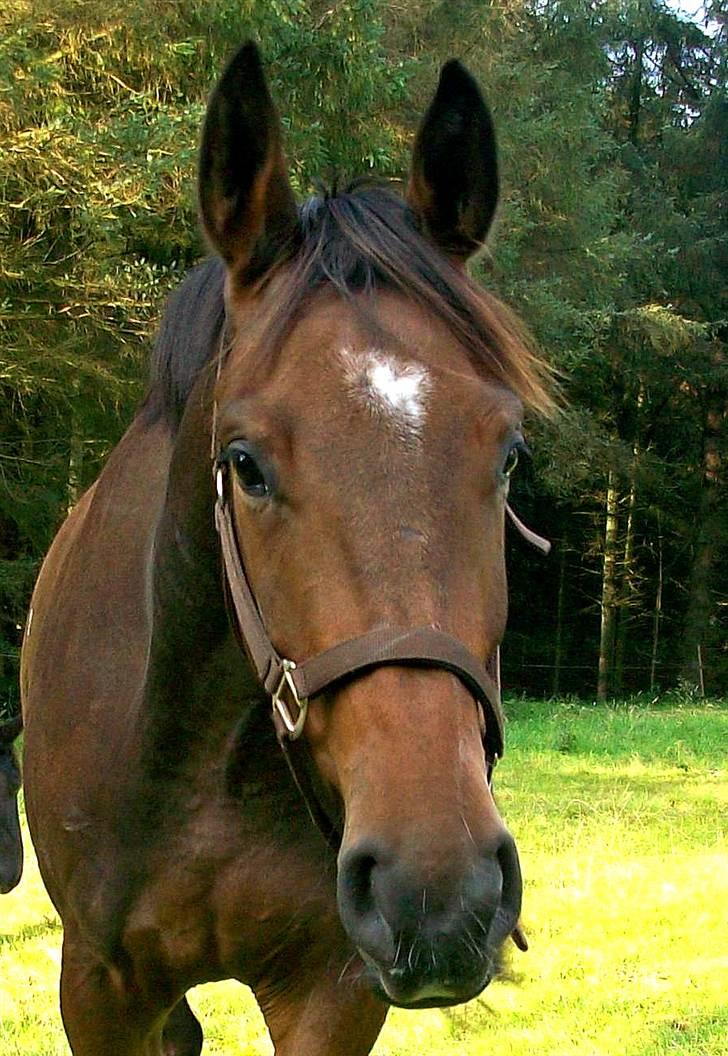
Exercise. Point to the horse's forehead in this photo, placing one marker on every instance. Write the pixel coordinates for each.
(399, 369)
(390, 387)
(387, 372)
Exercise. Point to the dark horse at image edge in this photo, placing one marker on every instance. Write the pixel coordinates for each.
(305, 519)
(11, 843)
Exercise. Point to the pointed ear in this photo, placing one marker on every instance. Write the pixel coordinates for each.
(454, 181)
(246, 202)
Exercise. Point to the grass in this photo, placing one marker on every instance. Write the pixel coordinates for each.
(620, 817)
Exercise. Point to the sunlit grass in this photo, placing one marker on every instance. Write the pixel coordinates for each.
(620, 816)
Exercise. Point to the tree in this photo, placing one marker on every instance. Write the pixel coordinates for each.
(613, 128)
(99, 120)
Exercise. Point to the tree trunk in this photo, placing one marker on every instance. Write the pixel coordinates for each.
(559, 645)
(629, 587)
(75, 455)
(609, 591)
(635, 98)
(709, 530)
(657, 611)
(628, 600)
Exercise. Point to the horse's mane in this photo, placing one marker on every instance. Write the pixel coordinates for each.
(355, 241)
(187, 340)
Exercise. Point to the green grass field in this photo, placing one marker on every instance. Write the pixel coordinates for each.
(620, 817)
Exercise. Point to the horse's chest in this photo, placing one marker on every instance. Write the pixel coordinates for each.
(219, 897)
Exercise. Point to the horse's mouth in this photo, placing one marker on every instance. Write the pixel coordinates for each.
(402, 990)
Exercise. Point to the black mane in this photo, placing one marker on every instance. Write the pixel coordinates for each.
(358, 240)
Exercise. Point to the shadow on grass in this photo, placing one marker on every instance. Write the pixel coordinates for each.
(642, 812)
(558, 786)
(30, 931)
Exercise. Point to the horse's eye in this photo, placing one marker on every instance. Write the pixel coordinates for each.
(518, 448)
(250, 476)
(511, 462)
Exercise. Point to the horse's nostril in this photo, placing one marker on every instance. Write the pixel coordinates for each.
(430, 931)
(510, 907)
(511, 869)
(355, 880)
(358, 908)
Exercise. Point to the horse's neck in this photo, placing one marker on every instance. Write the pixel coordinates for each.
(195, 673)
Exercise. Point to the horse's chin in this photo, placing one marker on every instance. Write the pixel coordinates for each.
(388, 987)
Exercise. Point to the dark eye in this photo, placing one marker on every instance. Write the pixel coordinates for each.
(517, 449)
(511, 462)
(251, 477)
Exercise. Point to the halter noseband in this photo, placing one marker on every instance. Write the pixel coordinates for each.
(291, 685)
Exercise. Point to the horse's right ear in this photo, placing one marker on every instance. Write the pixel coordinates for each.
(246, 202)
(10, 730)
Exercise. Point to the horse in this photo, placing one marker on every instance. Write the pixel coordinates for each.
(11, 842)
(304, 521)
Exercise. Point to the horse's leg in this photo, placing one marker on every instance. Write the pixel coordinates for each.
(332, 1018)
(182, 1035)
(102, 1014)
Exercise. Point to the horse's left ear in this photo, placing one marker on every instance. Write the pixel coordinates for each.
(246, 202)
(453, 186)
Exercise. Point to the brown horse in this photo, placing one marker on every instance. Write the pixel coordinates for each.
(349, 403)
(11, 843)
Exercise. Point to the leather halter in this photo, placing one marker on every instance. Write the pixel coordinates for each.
(288, 683)
(291, 685)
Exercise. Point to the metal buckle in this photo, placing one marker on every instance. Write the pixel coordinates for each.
(293, 728)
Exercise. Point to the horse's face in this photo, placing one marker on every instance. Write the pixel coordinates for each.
(370, 489)
(383, 506)
(377, 478)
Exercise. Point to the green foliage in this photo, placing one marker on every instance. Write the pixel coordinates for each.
(611, 241)
(99, 120)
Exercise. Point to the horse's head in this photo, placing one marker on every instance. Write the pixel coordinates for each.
(11, 845)
(368, 408)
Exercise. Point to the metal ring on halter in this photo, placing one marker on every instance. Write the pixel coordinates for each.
(294, 727)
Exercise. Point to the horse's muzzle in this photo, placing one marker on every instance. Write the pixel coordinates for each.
(428, 943)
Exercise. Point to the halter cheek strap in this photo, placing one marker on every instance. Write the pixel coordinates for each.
(290, 685)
